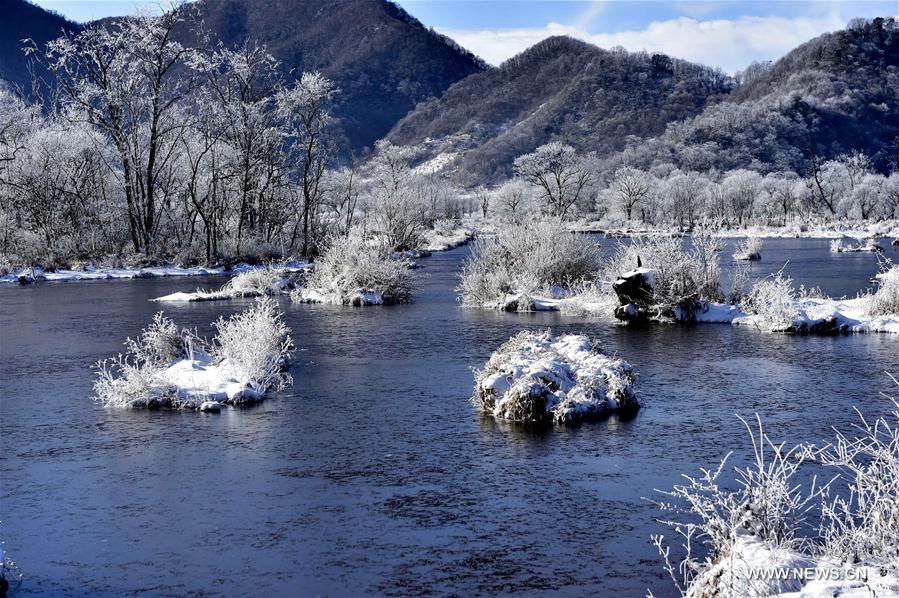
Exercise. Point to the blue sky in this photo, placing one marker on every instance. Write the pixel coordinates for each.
(725, 33)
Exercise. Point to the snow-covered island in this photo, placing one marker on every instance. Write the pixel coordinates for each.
(351, 271)
(544, 267)
(261, 282)
(536, 377)
(169, 367)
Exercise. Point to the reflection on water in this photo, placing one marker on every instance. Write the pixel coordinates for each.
(373, 473)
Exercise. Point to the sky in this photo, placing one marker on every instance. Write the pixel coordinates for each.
(729, 34)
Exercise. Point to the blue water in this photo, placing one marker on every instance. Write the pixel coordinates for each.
(373, 474)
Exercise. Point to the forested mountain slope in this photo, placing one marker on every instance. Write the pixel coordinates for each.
(835, 94)
(383, 60)
(560, 89)
(21, 20)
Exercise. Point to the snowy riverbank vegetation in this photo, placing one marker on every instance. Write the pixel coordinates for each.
(536, 377)
(242, 164)
(763, 533)
(170, 367)
(352, 271)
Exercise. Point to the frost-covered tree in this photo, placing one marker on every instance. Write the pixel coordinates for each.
(629, 187)
(394, 203)
(305, 106)
(512, 200)
(244, 82)
(741, 189)
(684, 194)
(126, 77)
(561, 176)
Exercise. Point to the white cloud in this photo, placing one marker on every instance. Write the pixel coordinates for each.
(730, 44)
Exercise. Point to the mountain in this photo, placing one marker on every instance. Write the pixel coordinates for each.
(383, 60)
(21, 20)
(835, 94)
(559, 89)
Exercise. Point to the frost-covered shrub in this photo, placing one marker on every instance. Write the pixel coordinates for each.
(770, 521)
(171, 367)
(863, 526)
(256, 345)
(885, 301)
(254, 283)
(682, 275)
(527, 259)
(349, 271)
(773, 300)
(749, 249)
(160, 342)
(535, 377)
(762, 516)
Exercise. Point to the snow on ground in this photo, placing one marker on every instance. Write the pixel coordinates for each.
(437, 163)
(94, 273)
(538, 377)
(825, 230)
(253, 283)
(446, 240)
(200, 380)
(820, 315)
(752, 568)
(359, 298)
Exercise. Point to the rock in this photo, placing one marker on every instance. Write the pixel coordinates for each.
(635, 287)
(895, 243)
(211, 407)
(31, 275)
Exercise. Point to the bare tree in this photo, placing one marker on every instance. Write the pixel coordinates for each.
(629, 187)
(126, 77)
(305, 106)
(561, 175)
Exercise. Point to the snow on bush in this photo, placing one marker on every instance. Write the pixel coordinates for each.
(260, 282)
(837, 246)
(171, 367)
(351, 272)
(255, 344)
(769, 521)
(535, 377)
(749, 249)
(682, 275)
(773, 301)
(522, 261)
(885, 300)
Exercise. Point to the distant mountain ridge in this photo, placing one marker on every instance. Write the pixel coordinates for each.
(383, 60)
(402, 81)
(20, 20)
(560, 89)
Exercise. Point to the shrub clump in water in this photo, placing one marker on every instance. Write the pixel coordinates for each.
(171, 367)
(508, 269)
(535, 377)
(351, 272)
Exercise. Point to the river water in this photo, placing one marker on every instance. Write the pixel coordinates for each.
(373, 474)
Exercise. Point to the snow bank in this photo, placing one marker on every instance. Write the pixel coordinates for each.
(752, 568)
(445, 239)
(252, 283)
(29, 275)
(871, 245)
(173, 368)
(536, 377)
